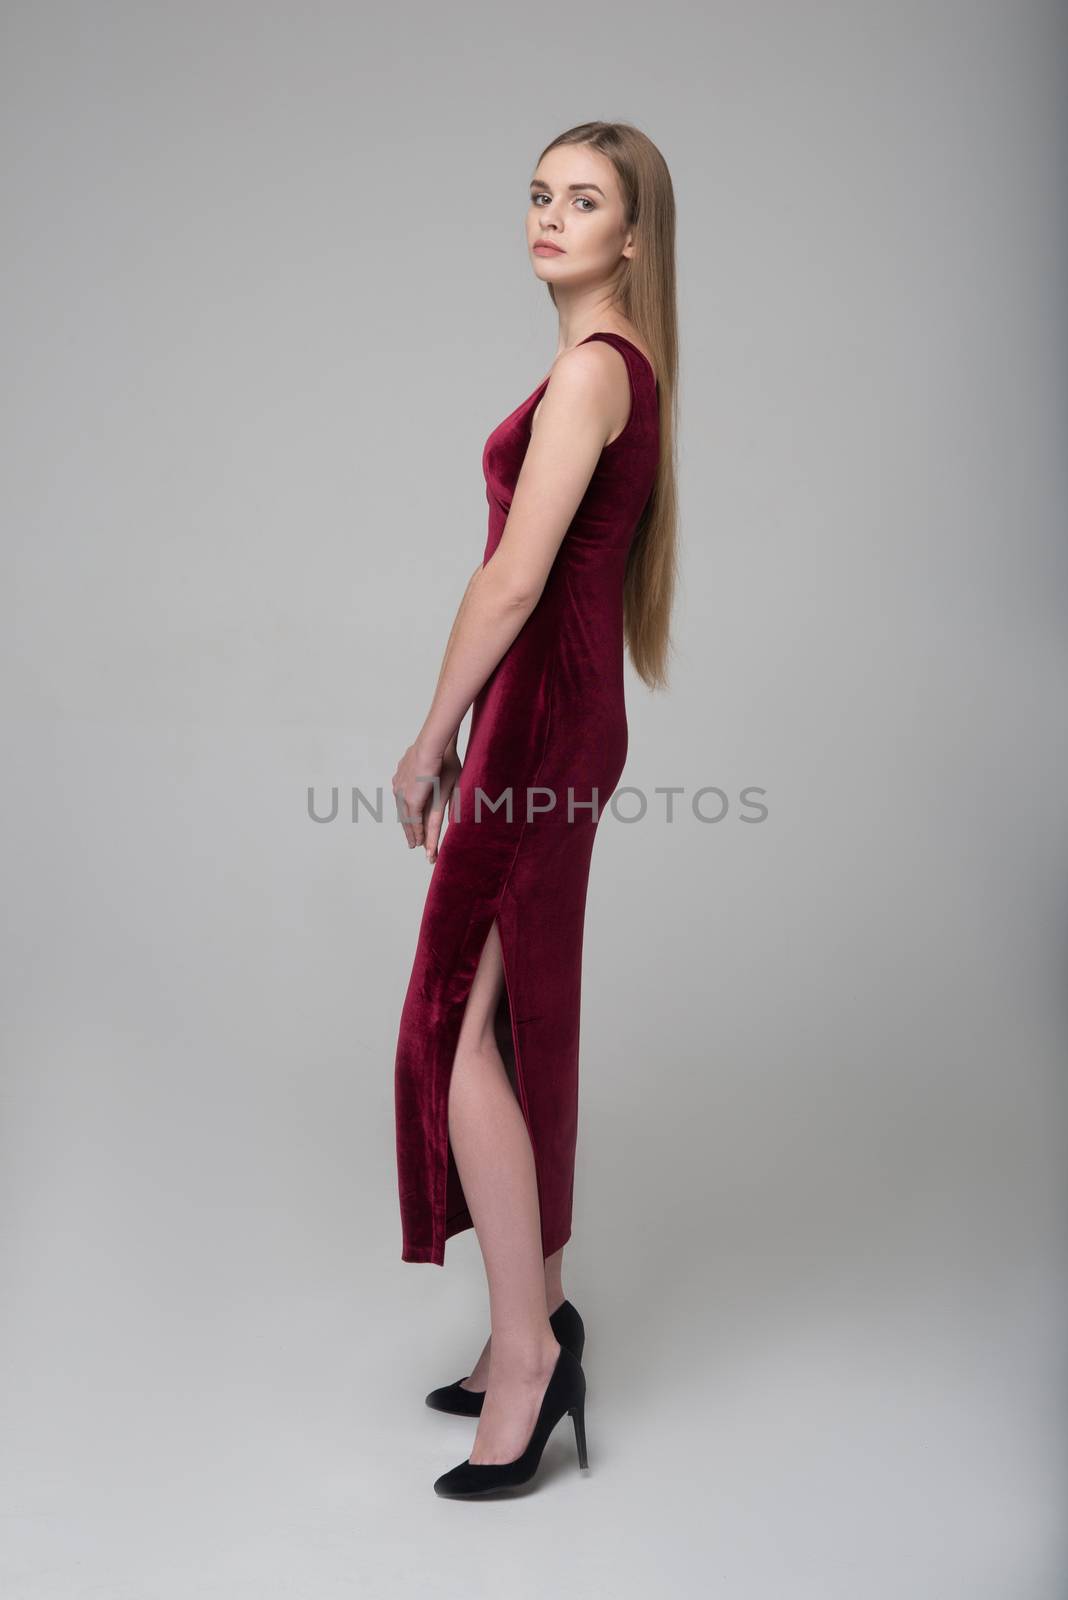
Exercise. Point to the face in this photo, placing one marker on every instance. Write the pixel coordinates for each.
(576, 204)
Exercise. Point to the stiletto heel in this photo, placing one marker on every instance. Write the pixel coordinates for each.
(570, 1334)
(565, 1392)
(578, 1417)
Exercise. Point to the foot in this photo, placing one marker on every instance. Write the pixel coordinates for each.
(510, 1410)
(478, 1378)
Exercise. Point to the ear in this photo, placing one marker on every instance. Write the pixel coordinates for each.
(628, 248)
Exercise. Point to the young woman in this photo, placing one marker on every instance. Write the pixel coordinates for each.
(580, 560)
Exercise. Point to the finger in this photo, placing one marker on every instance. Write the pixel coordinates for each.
(415, 818)
(433, 833)
(405, 818)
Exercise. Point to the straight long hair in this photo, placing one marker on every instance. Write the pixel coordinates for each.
(646, 296)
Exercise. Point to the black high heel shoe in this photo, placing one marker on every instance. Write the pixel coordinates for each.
(570, 1335)
(565, 1393)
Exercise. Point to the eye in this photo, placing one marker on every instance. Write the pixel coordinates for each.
(581, 199)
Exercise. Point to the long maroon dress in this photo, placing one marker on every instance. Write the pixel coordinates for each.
(550, 717)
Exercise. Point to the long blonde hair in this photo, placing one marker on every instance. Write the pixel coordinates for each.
(646, 297)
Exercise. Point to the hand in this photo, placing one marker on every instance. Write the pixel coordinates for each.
(451, 767)
(422, 784)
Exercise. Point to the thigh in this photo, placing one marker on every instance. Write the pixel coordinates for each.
(481, 1027)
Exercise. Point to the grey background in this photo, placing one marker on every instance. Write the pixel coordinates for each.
(265, 295)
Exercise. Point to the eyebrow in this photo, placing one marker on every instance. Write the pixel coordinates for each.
(536, 183)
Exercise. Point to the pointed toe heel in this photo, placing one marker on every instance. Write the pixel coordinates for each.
(457, 1401)
(565, 1395)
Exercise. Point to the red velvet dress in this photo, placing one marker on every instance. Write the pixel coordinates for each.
(550, 717)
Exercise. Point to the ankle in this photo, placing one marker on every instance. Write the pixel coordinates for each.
(523, 1359)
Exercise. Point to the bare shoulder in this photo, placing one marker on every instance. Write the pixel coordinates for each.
(588, 385)
(589, 369)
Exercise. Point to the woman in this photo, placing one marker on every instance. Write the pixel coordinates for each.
(580, 559)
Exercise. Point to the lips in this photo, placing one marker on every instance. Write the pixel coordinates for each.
(547, 248)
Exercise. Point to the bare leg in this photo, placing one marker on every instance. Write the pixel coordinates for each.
(554, 1288)
(495, 1161)
(478, 1377)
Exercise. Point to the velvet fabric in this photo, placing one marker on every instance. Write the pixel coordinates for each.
(551, 716)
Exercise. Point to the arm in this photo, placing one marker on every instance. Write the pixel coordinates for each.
(451, 746)
(579, 410)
